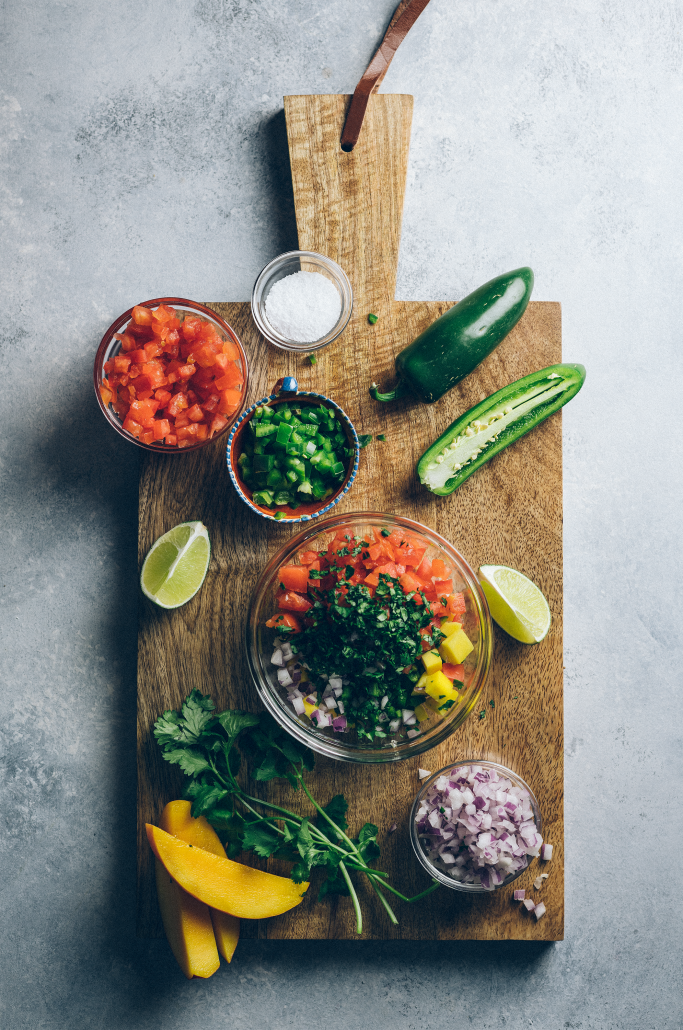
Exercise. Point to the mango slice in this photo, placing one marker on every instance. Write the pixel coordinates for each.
(431, 661)
(220, 883)
(177, 820)
(188, 927)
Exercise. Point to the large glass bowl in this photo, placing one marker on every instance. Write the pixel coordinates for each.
(346, 746)
(109, 347)
(434, 871)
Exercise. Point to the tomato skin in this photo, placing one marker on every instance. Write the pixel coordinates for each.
(456, 604)
(454, 672)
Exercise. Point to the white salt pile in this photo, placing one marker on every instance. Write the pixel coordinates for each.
(303, 306)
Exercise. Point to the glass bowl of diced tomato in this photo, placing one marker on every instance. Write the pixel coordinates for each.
(170, 375)
(369, 638)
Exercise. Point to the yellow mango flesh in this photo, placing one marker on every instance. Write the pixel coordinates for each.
(448, 627)
(188, 927)
(227, 931)
(177, 820)
(456, 648)
(431, 661)
(220, 883)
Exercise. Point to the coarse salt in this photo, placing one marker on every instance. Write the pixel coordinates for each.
(303, 306)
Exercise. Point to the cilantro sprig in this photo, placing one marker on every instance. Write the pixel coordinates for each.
(211, 747)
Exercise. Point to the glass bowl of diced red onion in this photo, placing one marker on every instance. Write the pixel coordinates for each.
(475, 826)
(170, 375)
(304, 683)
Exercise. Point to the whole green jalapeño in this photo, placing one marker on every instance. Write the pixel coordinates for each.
(452, 346)
(495, 423)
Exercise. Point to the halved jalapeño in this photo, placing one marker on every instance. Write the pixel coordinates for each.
(495, 423)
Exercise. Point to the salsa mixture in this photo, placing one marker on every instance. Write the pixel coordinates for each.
(175, 380)
(368, 635)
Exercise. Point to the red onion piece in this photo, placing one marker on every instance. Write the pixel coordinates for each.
(519, 895)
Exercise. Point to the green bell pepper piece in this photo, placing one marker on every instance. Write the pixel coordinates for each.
(494, 424)
(452, 346)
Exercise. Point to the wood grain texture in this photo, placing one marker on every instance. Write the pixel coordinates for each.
(349, 207)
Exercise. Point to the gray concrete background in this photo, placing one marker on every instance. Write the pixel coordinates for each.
(142, 153)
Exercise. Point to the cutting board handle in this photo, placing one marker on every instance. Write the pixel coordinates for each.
(349, 206)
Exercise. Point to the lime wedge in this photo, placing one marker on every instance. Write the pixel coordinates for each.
(175, 568)
(516, 604)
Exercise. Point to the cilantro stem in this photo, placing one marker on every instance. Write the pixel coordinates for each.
(354, 898)
(418, 897)
(389, 909)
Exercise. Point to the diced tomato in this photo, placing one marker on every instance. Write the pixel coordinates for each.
(284, 621)
(409, 582)
(162, 427)
(177, 404)
(147, 436)
(122, 363)
(293, 602)
(132, 427)
(143, 411)
(443, 587)
(105, 394)
(172, 440)
(163, 396)
(454, 672)
(437, 608)
(308, 557)
(138, 356)
(185, 432)
(229, 401)
(142, 315)
(439, 568)
(202, 430)
(127, 342)
(294, 577)
(456, 604)
(186, 371)
(424, 569)
(217, 423)
(232, 350)
(231, 377)
(195, 413)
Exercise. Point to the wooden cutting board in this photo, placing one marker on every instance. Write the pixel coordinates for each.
(349, 207)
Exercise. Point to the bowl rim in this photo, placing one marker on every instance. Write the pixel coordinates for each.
(334, 748)
(437, 874)
(351, 474)
(112, 418)
(283, 342)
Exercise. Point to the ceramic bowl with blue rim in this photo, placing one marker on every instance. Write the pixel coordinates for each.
(286, 391)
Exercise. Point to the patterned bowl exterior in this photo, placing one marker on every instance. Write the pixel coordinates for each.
(326, 505)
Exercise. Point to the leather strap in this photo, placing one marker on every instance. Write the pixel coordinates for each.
(405, 16)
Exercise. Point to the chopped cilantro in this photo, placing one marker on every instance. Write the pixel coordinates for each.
(373, 319)
(381, 436)
(482, 714)
(493, 704)
(312, 358)
(364, 439)
(385, 532)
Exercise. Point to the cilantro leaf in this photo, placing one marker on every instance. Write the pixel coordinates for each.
(233, 722)
(367, 842)
(205, 797)
(261, 839)
(191, 762)
(336, 809)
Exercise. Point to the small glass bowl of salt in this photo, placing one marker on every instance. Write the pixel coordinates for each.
(302, 301)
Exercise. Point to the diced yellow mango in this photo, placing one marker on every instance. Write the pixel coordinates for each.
(439, 686)
(456, 648)
(431, 661)
(421, 713)
(420, 685)
(309, 708)
(449, 627)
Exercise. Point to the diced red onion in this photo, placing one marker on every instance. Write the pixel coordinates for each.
(298, 706)
(394, 725)
(519, 895)
(340, 706)
(339, 724)
(477, 826)
(529, 904)
(539, 910)
(546, 853)
(423, 774)
(277, 657)
(284, 679)
(393, 828)
(413, 733)
(335, 681)
(384, 702)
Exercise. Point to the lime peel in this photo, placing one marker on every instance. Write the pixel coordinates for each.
(516, 603)
(176, 565)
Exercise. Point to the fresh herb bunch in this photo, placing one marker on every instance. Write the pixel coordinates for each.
(209, 746)
(372, 643)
